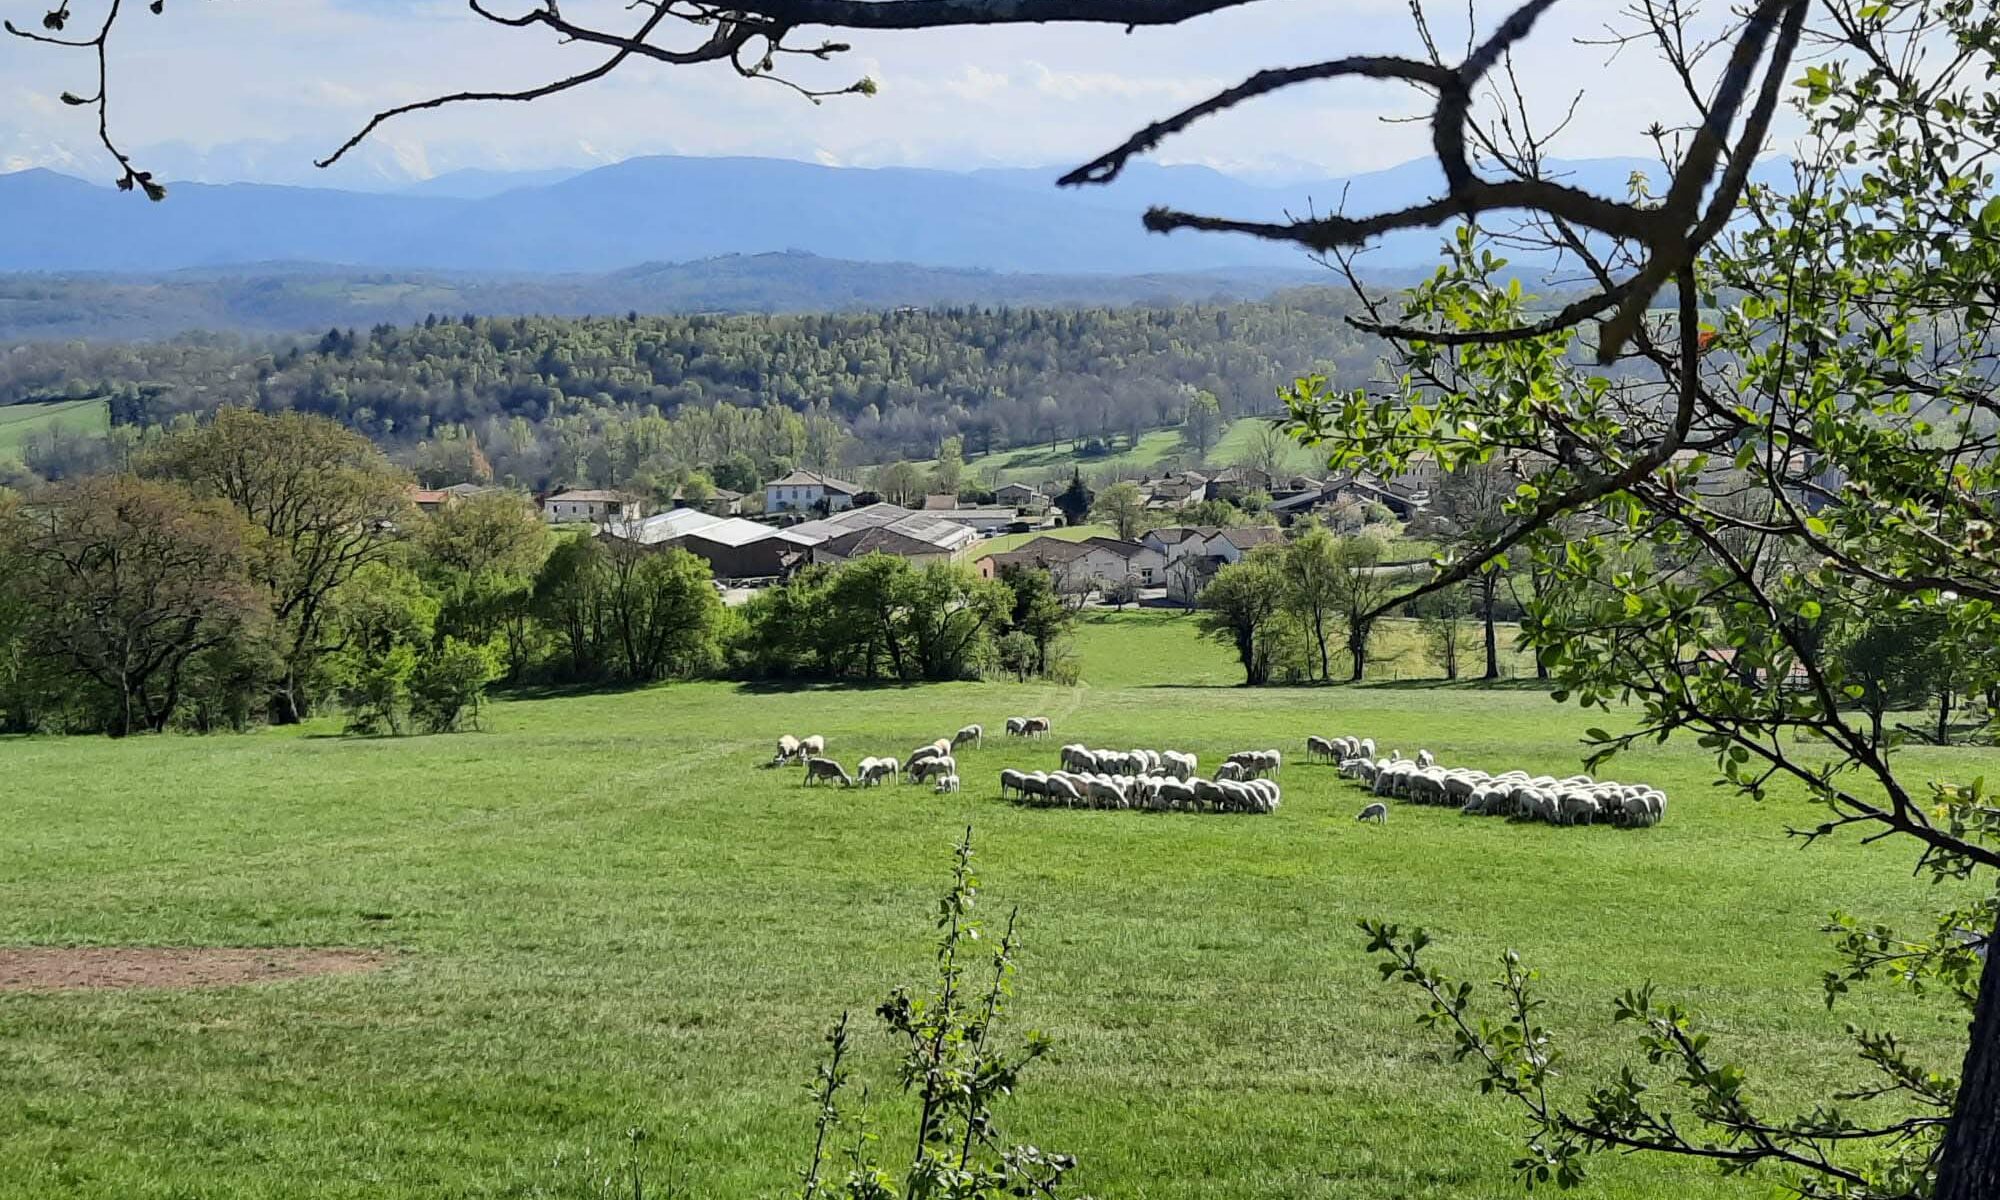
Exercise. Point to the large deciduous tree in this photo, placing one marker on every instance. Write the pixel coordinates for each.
(124, 581)
(322, 502)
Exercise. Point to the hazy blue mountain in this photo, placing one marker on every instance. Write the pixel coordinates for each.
(667, 209)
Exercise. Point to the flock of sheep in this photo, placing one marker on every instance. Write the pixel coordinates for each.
(1159, 780)
(1245, 782)
(933, 764)
(1577, 800)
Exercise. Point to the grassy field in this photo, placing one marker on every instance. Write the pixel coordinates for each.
(19, 422)
(1014, 541)
(603, 912)
(1155, 448)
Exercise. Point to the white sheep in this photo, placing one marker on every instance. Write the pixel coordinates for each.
(1377, 812)
(975, 734)
(1017, 726)
(1318, 748)
(812, 747)
(788, 749)
(946, 784)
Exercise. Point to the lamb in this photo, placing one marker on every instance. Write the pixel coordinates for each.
(812, 747)
(1377, 812)
(1425, 758)
(946, 784)
(826, 768)
(788, 749)
(975, 734)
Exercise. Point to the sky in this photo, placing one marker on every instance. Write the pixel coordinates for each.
(254, 89)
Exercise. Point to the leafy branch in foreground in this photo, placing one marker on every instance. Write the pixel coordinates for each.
(953, 1066)
(1832, 1151)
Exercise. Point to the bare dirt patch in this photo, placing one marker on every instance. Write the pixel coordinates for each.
(56, 968)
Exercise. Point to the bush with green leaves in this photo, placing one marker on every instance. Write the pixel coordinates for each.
(953, 1063)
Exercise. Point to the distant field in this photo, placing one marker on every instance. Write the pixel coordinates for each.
(1013, 541)
(604, 912)
(18, 422)
(1155, 449)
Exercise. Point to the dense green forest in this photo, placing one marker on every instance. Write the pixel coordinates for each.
(608, 400)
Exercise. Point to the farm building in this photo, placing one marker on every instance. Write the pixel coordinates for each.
(732, 547)
(802, 491)
(1096, 563)
(930, 536)
(596, 507)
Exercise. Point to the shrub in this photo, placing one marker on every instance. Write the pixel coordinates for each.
(450, 685)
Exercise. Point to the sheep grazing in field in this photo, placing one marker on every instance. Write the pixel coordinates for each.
(1377, 812)
(873, 771)
(1256, 762)
(931, 769)
(946, 784)
(818, 769)
(974, 734)
(1035, 727)
(1015, 782)
(812, 747)
(1229, 772)
(788, 749)
(1576, 800)
(1179, 765)
(1017, 726)
(1318, 749)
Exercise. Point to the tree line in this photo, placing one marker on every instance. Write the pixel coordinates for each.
(599, 401)
(268, 567)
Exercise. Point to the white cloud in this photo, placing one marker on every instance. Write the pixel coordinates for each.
(299, 75)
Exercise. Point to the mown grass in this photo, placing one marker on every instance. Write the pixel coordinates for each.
(1155, 448)
(19, 422)
(604, 912)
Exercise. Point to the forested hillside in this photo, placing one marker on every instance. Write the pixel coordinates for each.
(603, 399)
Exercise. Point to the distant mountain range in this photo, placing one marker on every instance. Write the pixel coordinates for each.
(669, 209)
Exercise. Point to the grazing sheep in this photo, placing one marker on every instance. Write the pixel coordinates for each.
(1367, 748)
(931, 769)
(812, 747)
(1180, 766)
(788, 749)
(946, 784)
(1318, 748)
(825, 768)
(975, 734)
(1228, 772)
(1016, 726)
(1377, 812)
(1035, 727)
(1060, 788)
(1014, 781)
(1425, 758)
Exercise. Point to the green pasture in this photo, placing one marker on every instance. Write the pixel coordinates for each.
(604, 911)
(19, 422)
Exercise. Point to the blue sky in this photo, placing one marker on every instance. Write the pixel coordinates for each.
(254, 88)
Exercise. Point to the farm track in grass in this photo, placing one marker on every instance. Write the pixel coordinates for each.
(604, 912)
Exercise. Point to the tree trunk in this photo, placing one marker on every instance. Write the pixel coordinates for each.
(1357, 649)
(1488, 585)
(1944, 718)
(1969, 1167)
